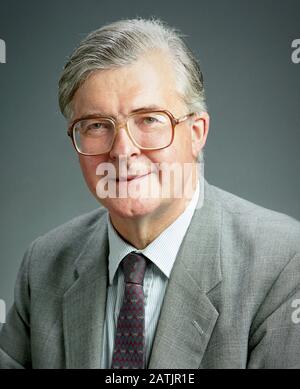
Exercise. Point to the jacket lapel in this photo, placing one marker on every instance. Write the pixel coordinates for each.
(84, 303)
(188, 316)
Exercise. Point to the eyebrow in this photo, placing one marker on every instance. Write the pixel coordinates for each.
(136, 110)
(147, 108)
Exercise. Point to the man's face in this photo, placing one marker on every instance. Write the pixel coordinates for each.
(147, 83)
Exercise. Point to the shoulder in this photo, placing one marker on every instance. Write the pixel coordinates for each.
(51, 257)
(259, 254)
(261, 224)
(255, 239)
(73, 232)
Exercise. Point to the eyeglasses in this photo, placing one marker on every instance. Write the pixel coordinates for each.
(148, 130)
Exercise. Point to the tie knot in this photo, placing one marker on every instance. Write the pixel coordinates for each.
(134, 266)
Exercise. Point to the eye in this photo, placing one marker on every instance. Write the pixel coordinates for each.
(95, 127)
(150, 120)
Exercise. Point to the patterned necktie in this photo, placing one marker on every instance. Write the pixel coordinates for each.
(129, 350)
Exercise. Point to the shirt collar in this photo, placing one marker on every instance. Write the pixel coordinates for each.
(162, 251)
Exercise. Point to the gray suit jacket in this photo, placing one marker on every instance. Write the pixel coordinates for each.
(228, 303)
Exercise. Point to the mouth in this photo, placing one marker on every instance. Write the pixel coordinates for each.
(131, 178)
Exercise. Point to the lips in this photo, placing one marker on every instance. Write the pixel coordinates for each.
(130, 178)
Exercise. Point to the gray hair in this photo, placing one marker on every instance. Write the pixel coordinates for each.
(123, 42)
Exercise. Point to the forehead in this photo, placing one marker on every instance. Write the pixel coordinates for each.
(147, 82)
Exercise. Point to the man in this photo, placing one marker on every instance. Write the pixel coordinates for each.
(171, 272)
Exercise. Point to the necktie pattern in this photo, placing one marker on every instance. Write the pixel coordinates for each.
(129, 349)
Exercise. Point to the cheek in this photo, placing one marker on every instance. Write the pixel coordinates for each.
(179, 151)
(168, 154)
(88, 167)
(184, 145)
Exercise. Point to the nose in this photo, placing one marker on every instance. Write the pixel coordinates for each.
(123, 145)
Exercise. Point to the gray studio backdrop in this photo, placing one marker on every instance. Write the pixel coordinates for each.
(253, 94)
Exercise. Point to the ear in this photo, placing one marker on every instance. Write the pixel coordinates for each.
(200, 127)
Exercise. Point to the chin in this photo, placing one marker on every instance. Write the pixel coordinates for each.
(129, 208)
